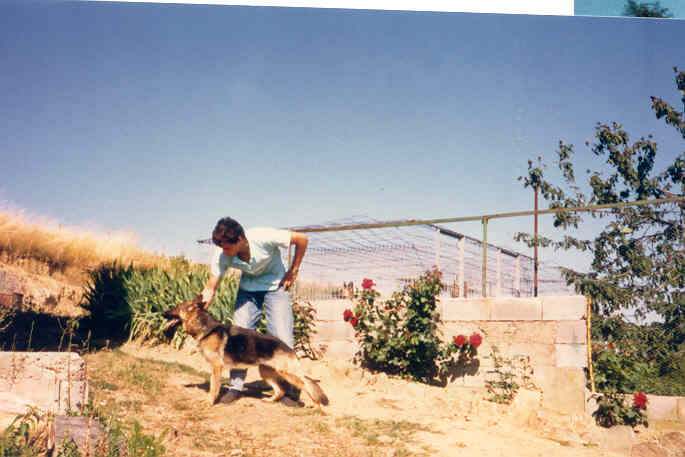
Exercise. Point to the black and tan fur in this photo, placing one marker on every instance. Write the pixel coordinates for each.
(237, 347)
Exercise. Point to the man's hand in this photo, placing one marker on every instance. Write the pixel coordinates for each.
(288, 280)
(209, 291)
(300, 241)
(207, 298)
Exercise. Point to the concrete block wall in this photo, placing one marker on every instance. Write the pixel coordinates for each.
(665, 408)
(659, 407)
(551, 331)
(51, 381)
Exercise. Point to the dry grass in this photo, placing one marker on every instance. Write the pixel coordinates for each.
(169, 399)
(63, 248)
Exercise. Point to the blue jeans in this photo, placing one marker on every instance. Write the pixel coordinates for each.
(249, 307)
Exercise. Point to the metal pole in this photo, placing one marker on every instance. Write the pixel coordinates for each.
(411, 222)
(535, 256)
(485, 256)
(437, 249)
(460, 283)
(588, 314)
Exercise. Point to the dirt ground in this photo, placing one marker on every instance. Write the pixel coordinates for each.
(368, 415)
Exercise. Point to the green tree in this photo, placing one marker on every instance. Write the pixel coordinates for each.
(645, 9)
(638, 259)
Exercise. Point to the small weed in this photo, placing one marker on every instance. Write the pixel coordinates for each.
(372, 430)
(507, 377)
(565, 443)
(320, 426)
(141, 375)
(102, 384)
(68, 448)
(195, 417)
(180, 406)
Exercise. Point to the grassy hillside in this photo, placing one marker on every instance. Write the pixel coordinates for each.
(67, 249)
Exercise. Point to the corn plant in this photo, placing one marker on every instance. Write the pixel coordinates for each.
(129, 302)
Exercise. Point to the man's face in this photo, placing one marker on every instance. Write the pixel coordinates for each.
(231, 249)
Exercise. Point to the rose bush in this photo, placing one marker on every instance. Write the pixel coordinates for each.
(401, 335)
(640, 400)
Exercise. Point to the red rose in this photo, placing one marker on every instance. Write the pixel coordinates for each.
(367, 283)
(475, 340)
(640, 400)
(459, 340)
(354, 321)
(611, 346)
(347, 315)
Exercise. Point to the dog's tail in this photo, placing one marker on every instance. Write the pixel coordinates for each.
(315, 391)
(307, 384)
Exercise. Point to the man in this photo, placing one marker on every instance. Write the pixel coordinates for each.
(263, 284)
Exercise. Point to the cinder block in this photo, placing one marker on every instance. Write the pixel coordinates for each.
(571, 355)
(475, 380)
(451, 329)
(42, 394)
(507, 332)
(516, 309)
(339, 349)
(465, 309)
(72, 395)
(62, 365)
(564, 308)
(660, 407)
(329, 331)
(540, 354)
(571, 332)
(563, 388)
(331, 310)
(6, 370)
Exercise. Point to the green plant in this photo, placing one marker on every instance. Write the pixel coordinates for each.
(26, 436)
(612, 410)
(128, 302)
(304, 315)
(143, 445)
(68, 448)
(401, 335)
(508, 375)
(646, 9)
(627, 357)
(117, 440)
(6, 318)
(638, 257)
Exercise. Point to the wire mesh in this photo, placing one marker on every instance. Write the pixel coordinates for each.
(337, 261)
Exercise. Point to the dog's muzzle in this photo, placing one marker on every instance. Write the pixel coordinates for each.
(172, 323)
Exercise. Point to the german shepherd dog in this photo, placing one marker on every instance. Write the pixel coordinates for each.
(236, 347)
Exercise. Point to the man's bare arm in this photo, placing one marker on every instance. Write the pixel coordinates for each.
(300, 241)
(209, 292)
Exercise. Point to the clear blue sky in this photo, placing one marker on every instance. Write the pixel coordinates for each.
(617, 7)
(162, 118)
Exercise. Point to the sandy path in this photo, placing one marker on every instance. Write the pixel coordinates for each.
(452, 421)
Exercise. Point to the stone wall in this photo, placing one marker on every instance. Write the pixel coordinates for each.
(51, 381)
(549, 330)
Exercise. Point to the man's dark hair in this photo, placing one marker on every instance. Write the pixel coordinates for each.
(227, 230)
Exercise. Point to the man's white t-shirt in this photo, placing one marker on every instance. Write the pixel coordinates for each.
(265, 269)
